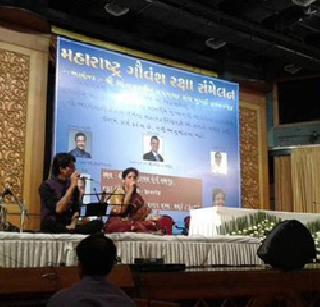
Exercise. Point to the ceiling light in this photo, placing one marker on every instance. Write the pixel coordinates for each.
(292, 68)
(114, 9)
(215, 43)
(303, 2)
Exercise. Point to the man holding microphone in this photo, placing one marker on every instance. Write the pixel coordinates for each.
(60, 195)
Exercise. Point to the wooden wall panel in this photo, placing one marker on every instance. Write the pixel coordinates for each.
(23, 88)
(253, 150)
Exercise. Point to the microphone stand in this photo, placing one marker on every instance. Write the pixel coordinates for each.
(3, 215)
(105, 199)
(23, 212)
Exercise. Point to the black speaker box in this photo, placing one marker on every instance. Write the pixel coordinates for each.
(288, 246)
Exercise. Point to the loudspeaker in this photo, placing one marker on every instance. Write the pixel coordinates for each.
(288, 246)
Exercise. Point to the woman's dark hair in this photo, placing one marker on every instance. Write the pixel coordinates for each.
(61, 160)
(97, 254)
(126, 172)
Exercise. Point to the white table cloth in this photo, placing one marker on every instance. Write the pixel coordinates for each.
(41, 250)
(205, 221)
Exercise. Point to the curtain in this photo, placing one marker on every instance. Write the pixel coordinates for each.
(305, 174)
(283, 186)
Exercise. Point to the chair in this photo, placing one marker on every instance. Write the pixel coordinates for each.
(165, 223)
(185, 228)
(186, 221)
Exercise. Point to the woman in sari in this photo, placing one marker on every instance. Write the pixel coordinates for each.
(128, 208)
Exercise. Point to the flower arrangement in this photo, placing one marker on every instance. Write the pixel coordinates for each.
(255, 225)
(260, 225)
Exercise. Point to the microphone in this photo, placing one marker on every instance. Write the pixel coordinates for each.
(86, 178)
(7, 191)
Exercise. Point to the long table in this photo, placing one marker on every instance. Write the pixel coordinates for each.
(206, 221)
(43, 250)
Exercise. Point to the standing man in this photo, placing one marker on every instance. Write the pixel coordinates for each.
(80, 140)
(60, 195)
(153, 155)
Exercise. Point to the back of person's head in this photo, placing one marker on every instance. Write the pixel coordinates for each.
(97, 255)
(61, 160)
(126, 172)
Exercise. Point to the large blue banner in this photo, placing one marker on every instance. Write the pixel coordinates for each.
(179, 129)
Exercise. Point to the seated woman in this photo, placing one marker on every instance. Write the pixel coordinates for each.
(128, 208)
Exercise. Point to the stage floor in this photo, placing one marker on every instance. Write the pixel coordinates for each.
(43, 250)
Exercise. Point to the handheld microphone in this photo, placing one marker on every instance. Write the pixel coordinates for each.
(86, 178)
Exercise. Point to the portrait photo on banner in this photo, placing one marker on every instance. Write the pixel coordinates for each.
(219, 162)
(80, 143)
(153, 148)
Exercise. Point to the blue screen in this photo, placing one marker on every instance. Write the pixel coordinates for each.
(122, 104)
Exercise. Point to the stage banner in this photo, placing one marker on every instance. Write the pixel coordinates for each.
(179, 129)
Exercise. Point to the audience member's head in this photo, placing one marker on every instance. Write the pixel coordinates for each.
(63, 163)
(155, 143)
(218, 197)
(80, 139)
(97, 255)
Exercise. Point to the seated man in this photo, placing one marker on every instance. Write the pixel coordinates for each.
(60, 195)
(128, 209)
(97, 255)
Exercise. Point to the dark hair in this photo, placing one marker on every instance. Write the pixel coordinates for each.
(97, 255)
(217, 191)
(126, 172)
(80, 134)
(62, 159)
(154, 137)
